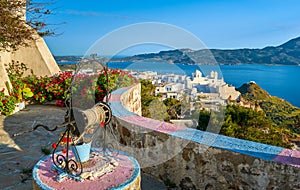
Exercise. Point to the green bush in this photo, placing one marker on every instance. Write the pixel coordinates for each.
(7, 103)
(248, 124)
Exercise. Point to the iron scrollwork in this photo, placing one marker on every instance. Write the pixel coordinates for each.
(77, 123)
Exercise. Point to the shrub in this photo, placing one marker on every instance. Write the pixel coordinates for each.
(19, 90)
(7, 103)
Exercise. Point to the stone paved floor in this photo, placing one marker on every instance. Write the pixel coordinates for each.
(20, 153)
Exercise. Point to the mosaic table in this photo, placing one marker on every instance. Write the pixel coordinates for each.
(125, 176)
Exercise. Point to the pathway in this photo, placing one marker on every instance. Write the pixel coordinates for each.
(19, 154)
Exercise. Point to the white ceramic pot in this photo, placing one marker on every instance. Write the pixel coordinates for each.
(21, 105)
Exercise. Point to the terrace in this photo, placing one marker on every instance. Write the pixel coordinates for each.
(19, 154)
(179, 156)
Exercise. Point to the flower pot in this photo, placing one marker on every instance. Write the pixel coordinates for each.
(83, 151)
(17, 108)
(21, 105)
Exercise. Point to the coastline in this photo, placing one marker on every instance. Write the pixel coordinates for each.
(278, 80)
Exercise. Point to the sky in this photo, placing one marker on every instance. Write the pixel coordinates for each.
(221, 24)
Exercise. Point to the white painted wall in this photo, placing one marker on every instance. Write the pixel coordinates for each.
(36, 57)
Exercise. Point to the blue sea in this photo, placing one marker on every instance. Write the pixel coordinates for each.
(278, 80)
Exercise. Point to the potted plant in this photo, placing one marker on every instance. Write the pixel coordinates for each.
(24, 93)
(19, 88)
(20, 91)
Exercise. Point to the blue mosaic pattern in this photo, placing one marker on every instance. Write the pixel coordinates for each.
(136, 173)
(258, 150)
(119, 111)
(36, 177)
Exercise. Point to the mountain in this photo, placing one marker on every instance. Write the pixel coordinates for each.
(67, 58)
(171, 56)
(286, 54)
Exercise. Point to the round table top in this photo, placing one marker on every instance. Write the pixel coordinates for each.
(123, 176)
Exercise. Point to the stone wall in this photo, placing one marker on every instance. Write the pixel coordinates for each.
(221, 169)
(193, 159)
(131, 99)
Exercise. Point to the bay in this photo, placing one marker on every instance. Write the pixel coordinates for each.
(278, 80)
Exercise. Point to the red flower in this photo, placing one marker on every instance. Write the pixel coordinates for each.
(60, 103)
(102, 124)
(64, 151)
(54, 145)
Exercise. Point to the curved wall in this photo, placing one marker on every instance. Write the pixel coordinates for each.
(207, 161)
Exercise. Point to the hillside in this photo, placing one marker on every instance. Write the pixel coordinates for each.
(287, 54)
(67, 58)
(281, 112)
(253, 92)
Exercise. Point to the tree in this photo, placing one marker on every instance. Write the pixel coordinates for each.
(14, 30)
(173, 107)
(147, 96)
(37, 13)
(249, 124)
(203, 120)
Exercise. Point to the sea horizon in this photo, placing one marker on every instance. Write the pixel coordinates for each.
(277, 80)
